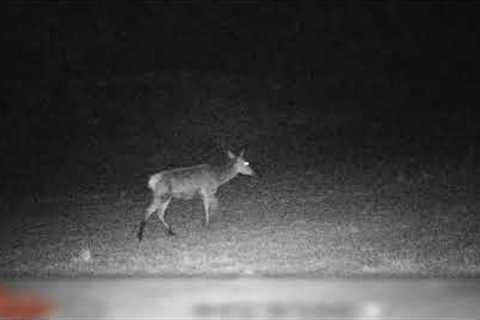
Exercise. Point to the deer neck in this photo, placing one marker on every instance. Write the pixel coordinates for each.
(227, 172)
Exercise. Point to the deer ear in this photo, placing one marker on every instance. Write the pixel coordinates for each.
(241, 152)
(230, 154)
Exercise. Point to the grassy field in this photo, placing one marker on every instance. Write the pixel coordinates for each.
(334, 220)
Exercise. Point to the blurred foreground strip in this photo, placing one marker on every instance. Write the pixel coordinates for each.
(254, 298)
(15, 305)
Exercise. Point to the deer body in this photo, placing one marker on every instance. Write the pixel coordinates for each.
(185, 183)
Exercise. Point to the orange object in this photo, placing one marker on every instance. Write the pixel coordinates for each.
(23, 305)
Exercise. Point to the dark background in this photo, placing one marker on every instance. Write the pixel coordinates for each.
(96, 96)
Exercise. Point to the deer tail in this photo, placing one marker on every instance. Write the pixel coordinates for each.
(152, 182)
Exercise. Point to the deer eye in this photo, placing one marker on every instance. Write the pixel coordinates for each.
(245, 163)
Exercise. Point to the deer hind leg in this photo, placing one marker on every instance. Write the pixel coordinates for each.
(213, 204)
(161, 214)
(156, 202)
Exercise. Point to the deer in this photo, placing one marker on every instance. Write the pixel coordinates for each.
(188, 182)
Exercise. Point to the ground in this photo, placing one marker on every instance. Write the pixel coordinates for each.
(297, 223)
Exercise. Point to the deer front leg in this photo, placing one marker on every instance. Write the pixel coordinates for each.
(210, 204)
(205, 208)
